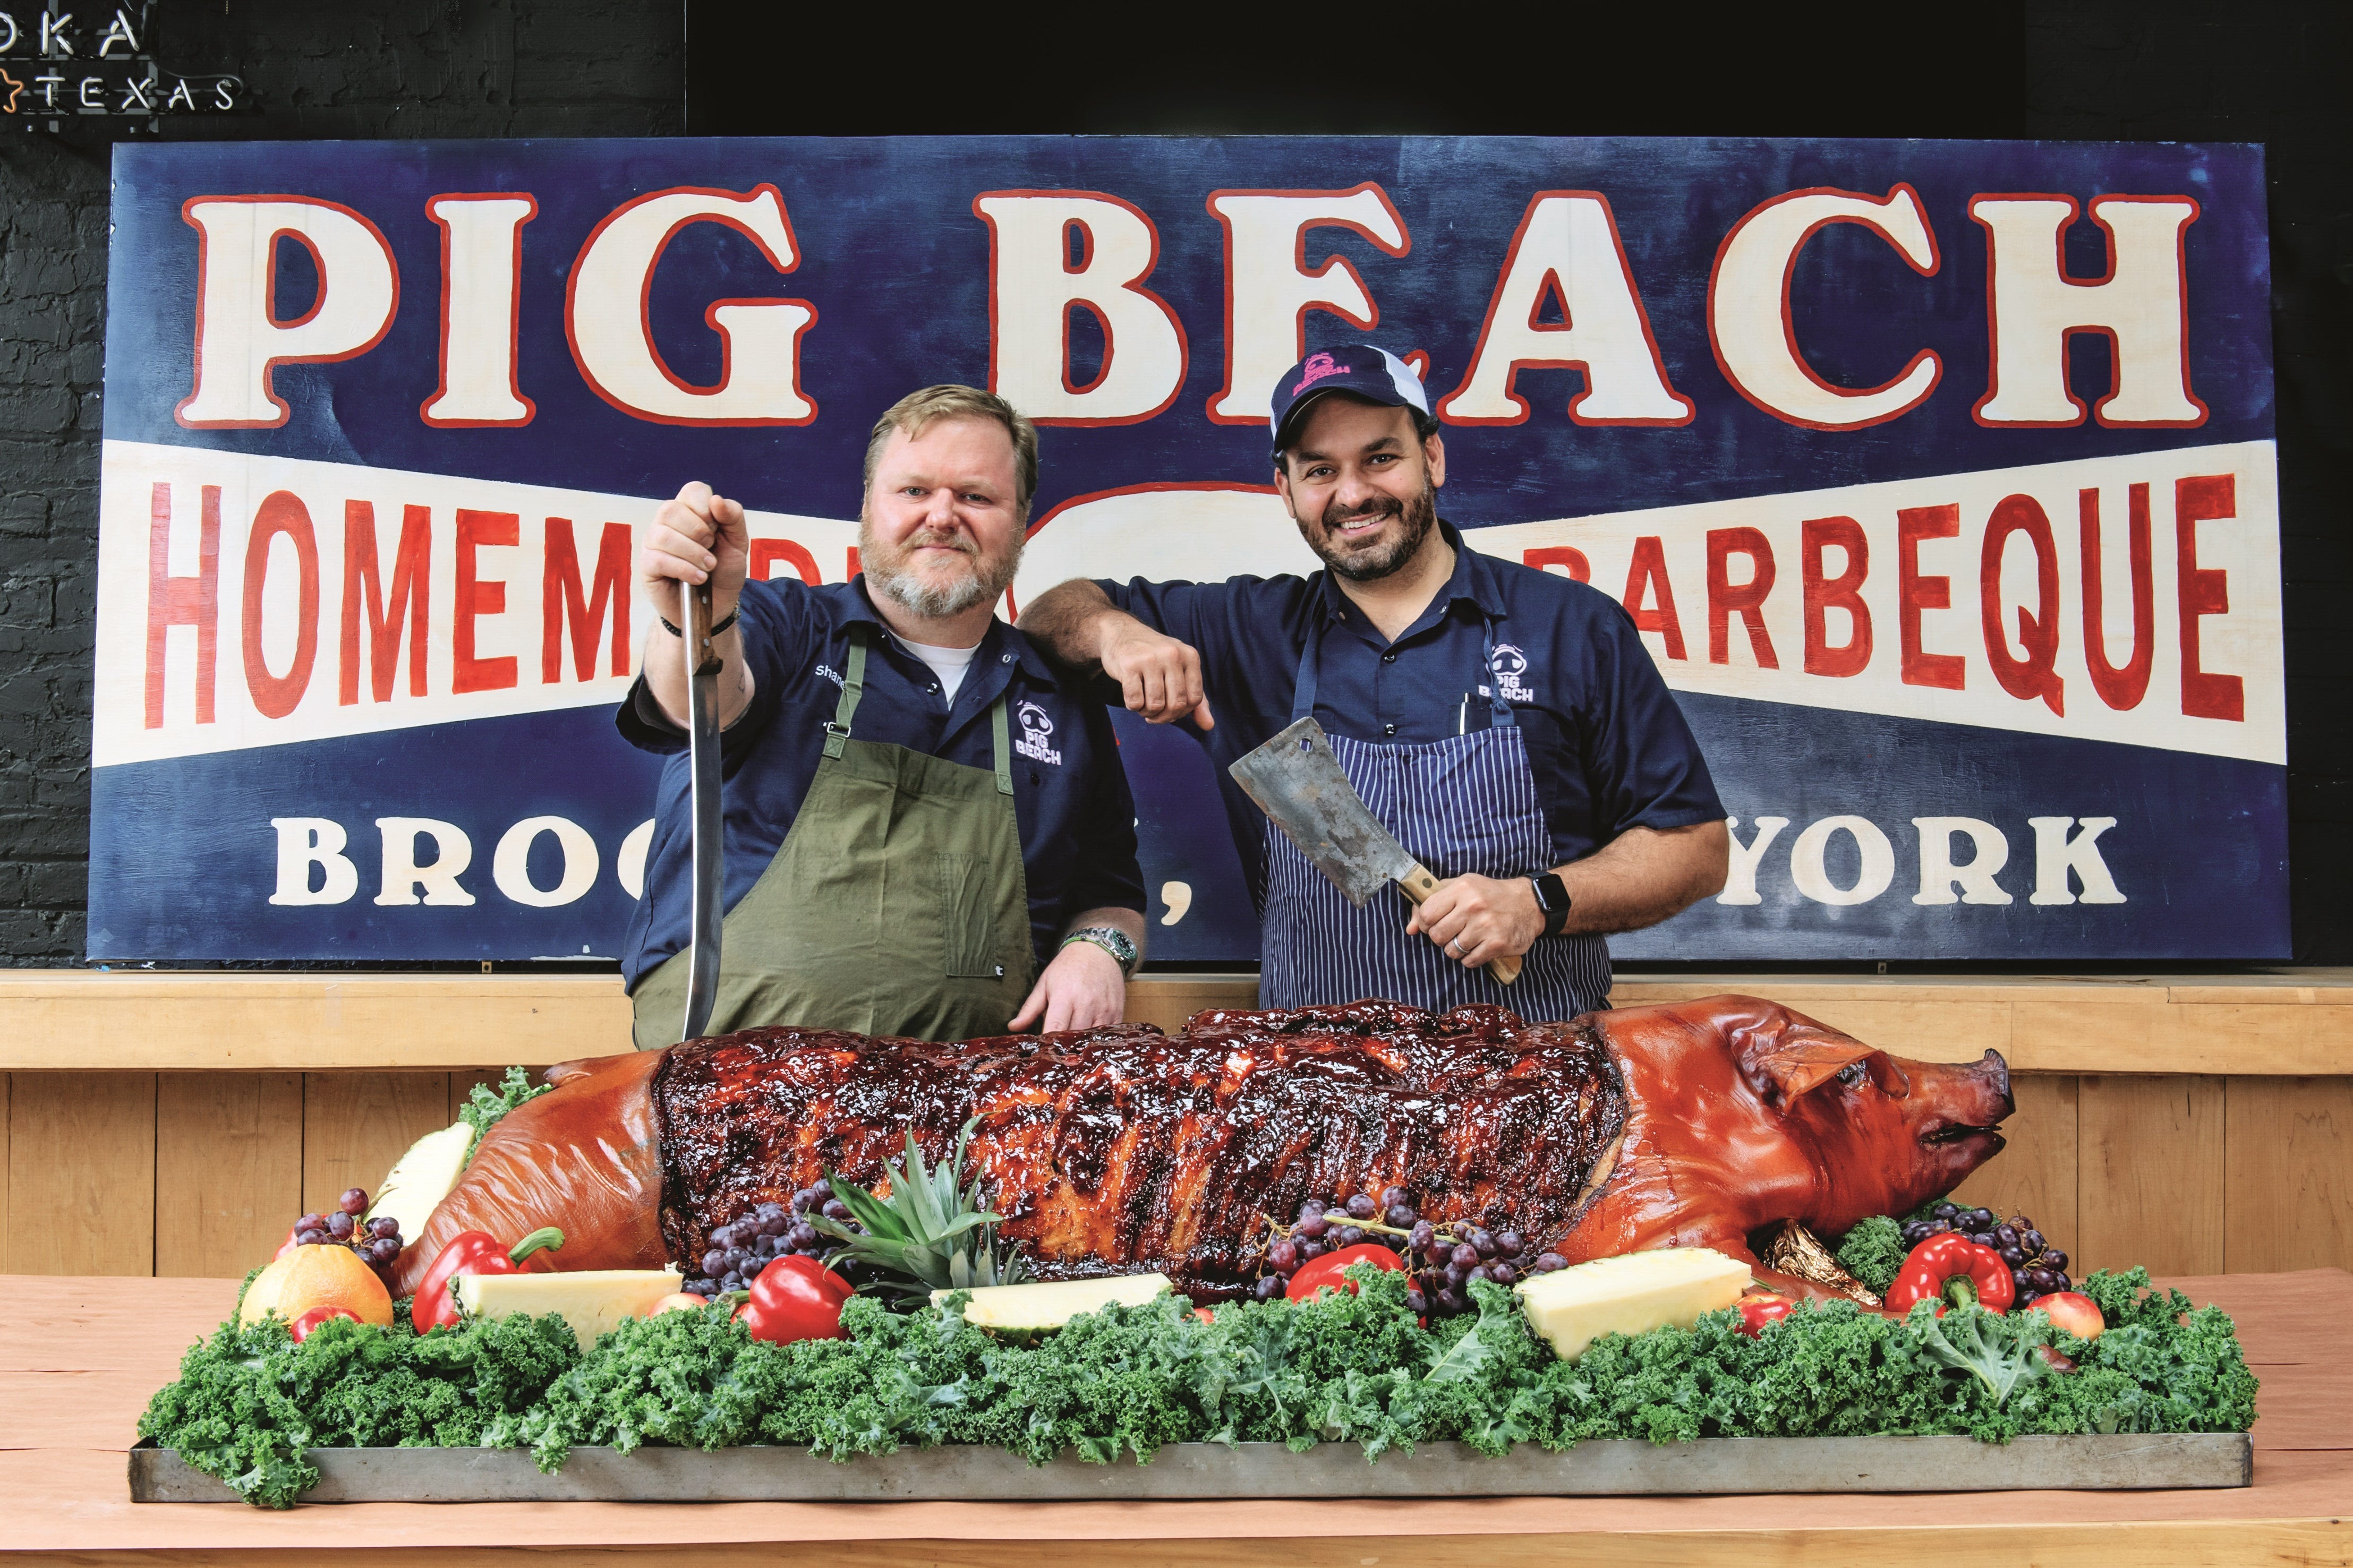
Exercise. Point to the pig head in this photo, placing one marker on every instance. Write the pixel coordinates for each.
(1741, 1113)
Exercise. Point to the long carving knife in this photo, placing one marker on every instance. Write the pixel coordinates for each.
(702, 768)
(1297, 782)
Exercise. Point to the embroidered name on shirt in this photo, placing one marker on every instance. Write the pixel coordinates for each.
(829, 673)
(1035, 729)
(1510, 665)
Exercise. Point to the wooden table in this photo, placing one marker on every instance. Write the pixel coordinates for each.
(80, 1357)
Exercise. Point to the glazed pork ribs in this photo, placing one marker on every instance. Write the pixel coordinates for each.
(1123, 1150)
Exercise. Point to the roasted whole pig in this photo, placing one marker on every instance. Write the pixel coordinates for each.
(1123, 1150)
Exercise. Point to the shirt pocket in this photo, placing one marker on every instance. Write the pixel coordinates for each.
(967, 892)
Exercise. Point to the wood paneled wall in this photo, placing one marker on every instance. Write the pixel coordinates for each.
(198, 1173)
(202, 1172)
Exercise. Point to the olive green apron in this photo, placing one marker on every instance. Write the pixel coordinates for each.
(897, 904)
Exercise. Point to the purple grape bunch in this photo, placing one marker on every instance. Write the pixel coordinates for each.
(376, 1241)
(2036, 1267)
(1441, 1260)
(733, 1254)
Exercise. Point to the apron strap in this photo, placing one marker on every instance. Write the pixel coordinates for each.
(1498, 710)
(837, 732)
(1302, 685)
(1000, 745)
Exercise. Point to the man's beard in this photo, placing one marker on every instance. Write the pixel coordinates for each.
(887, 573)
(1421, 515)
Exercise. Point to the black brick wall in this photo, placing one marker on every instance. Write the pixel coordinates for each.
(385, 68)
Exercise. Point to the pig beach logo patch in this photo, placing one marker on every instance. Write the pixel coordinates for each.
(1510, 665)
(1319, 367)
(1036, 730)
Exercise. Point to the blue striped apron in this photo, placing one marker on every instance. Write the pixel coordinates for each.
(1465, 804)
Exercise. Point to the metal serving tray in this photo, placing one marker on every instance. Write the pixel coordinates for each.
(1202, 1471)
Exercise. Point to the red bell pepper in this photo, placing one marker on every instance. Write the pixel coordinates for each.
(1950, 1268)
(796, 1297)
(1759, 1308)
(470, 1252)
(301, 1327)
(1326, 1273)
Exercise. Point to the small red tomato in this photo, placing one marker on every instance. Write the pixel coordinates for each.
(1327, 1271)
(301, 1327)
(1206, 1315)
(2072, 1313)
(796, 1297)
(1759, 1308)
(678, 1301)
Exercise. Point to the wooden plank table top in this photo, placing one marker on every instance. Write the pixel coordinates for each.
(2287, 1022)
(80, 1357)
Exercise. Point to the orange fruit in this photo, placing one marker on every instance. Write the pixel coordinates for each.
(312, 1277)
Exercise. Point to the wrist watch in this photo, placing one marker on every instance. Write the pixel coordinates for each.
(1552, 898)
(1112, 940)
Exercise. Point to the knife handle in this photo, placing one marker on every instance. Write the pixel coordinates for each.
(702, 659)
(1418, 883)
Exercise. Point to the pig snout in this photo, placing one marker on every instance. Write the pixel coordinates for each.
(1964, 1101)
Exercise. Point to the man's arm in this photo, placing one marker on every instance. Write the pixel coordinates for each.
(698, 535)
(1638, 878)
(1082, 988)
(1160, 678)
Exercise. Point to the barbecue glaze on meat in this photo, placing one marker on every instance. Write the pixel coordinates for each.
(1125, 1150)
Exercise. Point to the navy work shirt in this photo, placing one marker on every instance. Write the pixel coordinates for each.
(1610, 748)
(1076, 816)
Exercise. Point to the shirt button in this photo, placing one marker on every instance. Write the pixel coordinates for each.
(1390, 658)
(1388, 729)
(1004, 659)
(934, 686)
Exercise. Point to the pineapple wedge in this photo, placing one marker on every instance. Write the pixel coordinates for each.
(1033, 1309)
(590, 1301)
(422, 1177)
(1631, 1294)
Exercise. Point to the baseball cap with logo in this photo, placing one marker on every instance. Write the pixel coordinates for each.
(1360, 370)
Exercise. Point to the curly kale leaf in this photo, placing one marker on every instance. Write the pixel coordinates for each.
(1873, 1252)
(1998, 1351)
(249, 1402)
(484, 1105)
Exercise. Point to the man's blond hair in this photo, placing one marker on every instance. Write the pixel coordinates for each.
(916, 412)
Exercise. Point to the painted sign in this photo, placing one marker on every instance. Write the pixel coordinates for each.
(1937, 475)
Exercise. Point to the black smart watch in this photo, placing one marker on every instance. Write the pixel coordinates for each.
(1552, 898)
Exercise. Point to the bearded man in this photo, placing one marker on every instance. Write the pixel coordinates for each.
(927, 833)
(1506, 725)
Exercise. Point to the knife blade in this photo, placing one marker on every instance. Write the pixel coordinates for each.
(702, 770)
(1297, 781)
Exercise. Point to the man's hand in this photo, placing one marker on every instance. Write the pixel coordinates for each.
(1478, 919)
(1082, 989)
(1160, 676)
(698, 535)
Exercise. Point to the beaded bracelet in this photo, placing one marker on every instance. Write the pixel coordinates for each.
(716, 626)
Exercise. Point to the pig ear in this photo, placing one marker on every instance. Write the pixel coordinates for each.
(1782, 1061)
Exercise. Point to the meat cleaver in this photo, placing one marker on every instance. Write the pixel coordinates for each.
(702, 770)
(1297, 781)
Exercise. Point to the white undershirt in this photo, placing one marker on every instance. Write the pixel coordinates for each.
(948, 663)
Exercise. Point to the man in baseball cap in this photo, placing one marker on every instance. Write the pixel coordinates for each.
(1505, 723)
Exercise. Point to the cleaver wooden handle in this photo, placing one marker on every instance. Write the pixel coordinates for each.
(1418, 884)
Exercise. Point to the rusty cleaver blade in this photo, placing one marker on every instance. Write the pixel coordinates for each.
(1297, 782)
